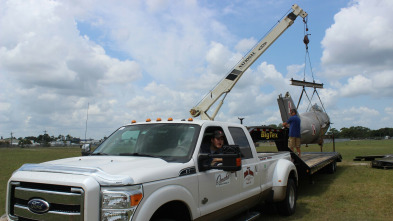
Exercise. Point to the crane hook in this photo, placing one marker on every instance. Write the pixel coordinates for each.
(306, 40)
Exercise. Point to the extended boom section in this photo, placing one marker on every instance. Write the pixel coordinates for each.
(231, 79)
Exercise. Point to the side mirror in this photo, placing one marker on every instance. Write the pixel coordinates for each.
(231, 159)
(86, 149)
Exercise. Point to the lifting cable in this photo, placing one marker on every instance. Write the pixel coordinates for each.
(307, 59)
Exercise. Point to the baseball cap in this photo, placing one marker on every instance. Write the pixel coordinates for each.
(218, 133)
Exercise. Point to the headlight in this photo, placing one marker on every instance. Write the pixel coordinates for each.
(120, 203)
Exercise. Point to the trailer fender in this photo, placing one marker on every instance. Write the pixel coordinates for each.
(284, 170)
(165, 195)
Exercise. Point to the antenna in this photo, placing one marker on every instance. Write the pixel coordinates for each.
(87, 118)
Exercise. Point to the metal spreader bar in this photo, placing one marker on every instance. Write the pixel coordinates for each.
(305, 83)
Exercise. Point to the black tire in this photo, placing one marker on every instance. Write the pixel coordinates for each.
(287, 207)
(332, 167)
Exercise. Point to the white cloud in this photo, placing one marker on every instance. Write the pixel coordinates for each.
(359, 40)
(4, 106)
(357, 51)
(389, 110)
(245, 45)
(361, 35)
(358, 85)
(354, 116)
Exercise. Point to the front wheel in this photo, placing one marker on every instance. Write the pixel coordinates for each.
(287, 207)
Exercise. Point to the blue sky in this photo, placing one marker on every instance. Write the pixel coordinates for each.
(155, 58)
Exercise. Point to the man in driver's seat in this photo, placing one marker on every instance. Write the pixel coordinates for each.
(215, 147)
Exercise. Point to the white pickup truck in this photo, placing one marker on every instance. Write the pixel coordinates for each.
(154, 171)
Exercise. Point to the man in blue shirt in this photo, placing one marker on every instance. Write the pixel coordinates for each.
(294, 131)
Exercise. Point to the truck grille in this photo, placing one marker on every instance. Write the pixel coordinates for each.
(36, 201)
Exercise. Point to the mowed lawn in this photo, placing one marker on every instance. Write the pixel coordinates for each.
(355, 192)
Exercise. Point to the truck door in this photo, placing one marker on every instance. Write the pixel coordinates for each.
(250, 185)
(218, 189)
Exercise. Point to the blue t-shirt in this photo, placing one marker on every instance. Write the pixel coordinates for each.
(294, 126)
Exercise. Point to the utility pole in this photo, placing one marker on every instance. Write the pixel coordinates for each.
(11, 138)
(43, 138)
(87, 118)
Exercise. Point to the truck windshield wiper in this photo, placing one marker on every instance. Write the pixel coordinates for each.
(136, 154)
(99, 154)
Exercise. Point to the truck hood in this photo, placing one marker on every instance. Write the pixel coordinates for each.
(113, 170)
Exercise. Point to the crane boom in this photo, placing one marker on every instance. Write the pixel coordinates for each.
(225, 86)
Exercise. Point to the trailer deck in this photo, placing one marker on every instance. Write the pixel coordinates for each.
(309, 162)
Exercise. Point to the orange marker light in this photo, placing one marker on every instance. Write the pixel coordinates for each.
(135, 199)
(159, 119)
(190, 119)
(133, 121)
(238, 162)
(148, 120)
(279, 181)
(170, 119)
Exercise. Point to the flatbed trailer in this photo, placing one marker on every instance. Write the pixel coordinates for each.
(382, 161)
(309, 162)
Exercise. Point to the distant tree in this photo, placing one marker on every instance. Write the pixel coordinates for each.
(61, 137)
(24, 142)
(44, 138)
(32, 138)
(75, 140)
(69, 137)
(4, 143)
(382, 132)
(333, 131)
(274, 126)
(357, 132)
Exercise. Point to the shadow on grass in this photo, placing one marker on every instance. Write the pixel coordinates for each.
(306, 189)
(319, 182)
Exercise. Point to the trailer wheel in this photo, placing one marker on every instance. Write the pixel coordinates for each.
(332, 167)
(287, 207)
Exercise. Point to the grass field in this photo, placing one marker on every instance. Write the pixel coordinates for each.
(355, 192)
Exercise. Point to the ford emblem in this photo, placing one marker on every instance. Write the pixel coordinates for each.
(38, 206)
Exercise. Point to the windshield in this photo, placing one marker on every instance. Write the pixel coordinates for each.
(171, 142)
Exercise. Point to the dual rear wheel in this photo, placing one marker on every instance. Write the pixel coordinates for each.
(287, 207)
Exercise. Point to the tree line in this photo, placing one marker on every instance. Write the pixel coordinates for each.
(43, 139)
(359, 132)
(355, 132)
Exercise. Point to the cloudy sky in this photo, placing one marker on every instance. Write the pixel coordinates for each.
(131, 60)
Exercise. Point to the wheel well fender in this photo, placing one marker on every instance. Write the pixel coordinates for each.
(164, 195)
(284, 169)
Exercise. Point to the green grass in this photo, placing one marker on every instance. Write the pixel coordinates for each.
(355, 192)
